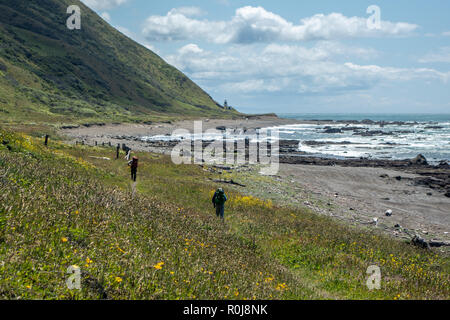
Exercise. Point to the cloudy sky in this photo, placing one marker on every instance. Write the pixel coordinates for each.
(295, 56)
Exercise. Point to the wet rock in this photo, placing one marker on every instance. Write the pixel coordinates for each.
(353, 128)
(444, 165)
(431, 183)
(332, 130)
(419, 160)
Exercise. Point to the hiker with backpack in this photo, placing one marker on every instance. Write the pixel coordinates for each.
(218, 201)
(133, 163)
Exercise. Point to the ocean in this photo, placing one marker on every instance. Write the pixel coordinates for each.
(403, 136)
(426, 134)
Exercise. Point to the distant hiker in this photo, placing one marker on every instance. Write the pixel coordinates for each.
(128, 154)
(118, 151)
(133, 163)
(218, 201)
(46, 139)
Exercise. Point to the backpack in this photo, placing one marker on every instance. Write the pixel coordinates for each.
(219, 197)
(134, 163)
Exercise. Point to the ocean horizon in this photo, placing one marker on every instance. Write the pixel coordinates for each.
(390, 136)
(407, 117)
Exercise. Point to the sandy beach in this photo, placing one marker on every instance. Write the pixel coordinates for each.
(361, 194)
(354, 194)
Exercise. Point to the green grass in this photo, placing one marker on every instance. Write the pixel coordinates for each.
(60, 207)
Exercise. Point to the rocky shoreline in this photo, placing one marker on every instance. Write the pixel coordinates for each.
(435, 177)
(355, 190)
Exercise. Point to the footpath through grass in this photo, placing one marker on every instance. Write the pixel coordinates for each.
(62, 206)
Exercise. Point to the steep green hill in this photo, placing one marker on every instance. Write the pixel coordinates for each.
(53, 74)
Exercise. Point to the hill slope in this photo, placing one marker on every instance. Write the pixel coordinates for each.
(51, 73)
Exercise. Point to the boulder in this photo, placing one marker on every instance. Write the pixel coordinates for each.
(332, 130)
(419, 160)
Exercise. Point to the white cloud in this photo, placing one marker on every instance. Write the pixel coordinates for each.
(446, 34)
(290, 68)
(255, 24)
(441, 55)
(105, 16)
(188, 11)
(103, 4)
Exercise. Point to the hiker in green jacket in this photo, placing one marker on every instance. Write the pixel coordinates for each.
(218, 201)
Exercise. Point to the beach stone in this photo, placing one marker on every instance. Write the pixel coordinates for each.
(420, 160)
(444, 164)
(332, 130)
(388, 213)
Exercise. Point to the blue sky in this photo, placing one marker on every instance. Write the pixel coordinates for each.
(300, 56)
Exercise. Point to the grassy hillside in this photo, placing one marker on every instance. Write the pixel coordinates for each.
(49, 73)
(61, 206)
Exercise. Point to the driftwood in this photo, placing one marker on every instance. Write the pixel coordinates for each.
(230, 182)
(420, 242)
(435, 243)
